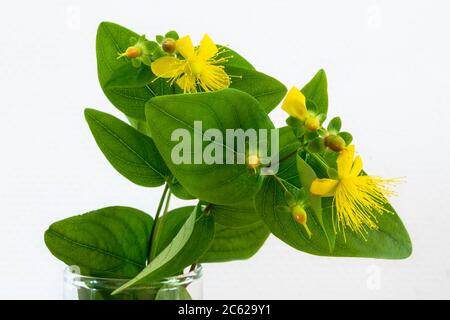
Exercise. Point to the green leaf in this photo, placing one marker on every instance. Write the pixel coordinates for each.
(169, 292)
(233, 59)
(170, 224)
(127, 87)
(317, 145)
(127, 76)
(172, 34)
(236, 243)
(289, 145)
(179, 191)
(283, 226)
(335, 125)
(109, 242)
(317, 91)
(111, 40)
(390, 241)
(131, 153)
(216, 183)
(191, 241)
(140, 125)
(348, 138)
(267, 90)
(236, 215)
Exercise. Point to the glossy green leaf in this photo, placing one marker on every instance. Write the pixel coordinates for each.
(288, 144)
(229, 243)
(179, 191)
(111, 40)
(127, 76)
(226, 109)
(190, 243)
(390, 241)
(317, 91)
(170, 225)
(267, 90)
(348, 138)
(109, 242)
(335, 125)
(236, 243)
(235, 215)
(131, 153)
(140, 125)
(172, 34)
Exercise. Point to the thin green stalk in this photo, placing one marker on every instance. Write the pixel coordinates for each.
(158, 228)
(155, 222)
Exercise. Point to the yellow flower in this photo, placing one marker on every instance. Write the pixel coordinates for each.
(356, 197)
(199, 66)
(295, 105)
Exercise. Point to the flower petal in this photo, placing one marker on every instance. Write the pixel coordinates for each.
(357, 167)
(324, 187)
(167, 67)
(207, 48)
(185, 47)
(345, 161)
(214, 78)
(295, 104)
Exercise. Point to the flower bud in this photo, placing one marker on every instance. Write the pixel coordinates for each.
(253, 161)
(132, 52)
(335, 143)
(312, 123)
(299, 214)
(169, 45)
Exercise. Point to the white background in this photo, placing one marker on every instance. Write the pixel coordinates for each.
(388, 64)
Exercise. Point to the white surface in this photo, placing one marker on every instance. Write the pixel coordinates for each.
(389, 79)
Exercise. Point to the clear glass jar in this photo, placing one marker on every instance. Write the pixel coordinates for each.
(187, 286)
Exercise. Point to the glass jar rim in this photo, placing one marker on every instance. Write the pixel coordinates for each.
(72, 275)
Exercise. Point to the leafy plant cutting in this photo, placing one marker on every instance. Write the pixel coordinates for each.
(197, 125)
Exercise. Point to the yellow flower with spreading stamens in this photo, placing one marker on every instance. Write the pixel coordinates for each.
(357, 198)
(295, 105)
(198, 68)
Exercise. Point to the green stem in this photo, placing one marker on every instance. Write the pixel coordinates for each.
(155, 222)
(159, 226)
